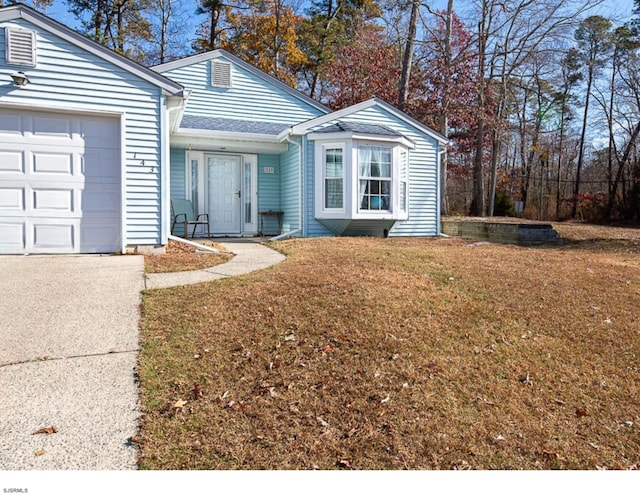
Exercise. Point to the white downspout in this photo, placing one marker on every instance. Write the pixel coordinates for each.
(439, 189)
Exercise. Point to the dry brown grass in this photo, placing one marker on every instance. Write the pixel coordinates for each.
(398, 354)
(183, 257)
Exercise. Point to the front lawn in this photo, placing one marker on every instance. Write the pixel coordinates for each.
(361, 353)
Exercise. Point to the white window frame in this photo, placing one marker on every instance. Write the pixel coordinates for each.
(321, 177)
(371, 178)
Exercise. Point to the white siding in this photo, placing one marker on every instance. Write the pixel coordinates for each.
(248, 98)
(66, 76)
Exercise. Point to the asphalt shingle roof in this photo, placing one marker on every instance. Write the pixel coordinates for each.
(360, 128)
(231, 125)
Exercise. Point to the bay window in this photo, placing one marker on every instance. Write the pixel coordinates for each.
(361, 177)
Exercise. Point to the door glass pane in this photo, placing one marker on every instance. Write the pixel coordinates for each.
(194, 185)
(247, 193)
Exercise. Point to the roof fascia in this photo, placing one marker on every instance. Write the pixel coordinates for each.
(234, 136)
(412, 121)
(303, 127)
(20, 11)
(334, 136)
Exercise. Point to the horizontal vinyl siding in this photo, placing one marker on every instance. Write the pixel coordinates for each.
(249, 98)
(423, 174)
(313, 227)
(178, 185)
(290, 189)
(67, 76)
(268, 183)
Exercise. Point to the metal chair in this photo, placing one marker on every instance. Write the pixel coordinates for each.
(182, 210)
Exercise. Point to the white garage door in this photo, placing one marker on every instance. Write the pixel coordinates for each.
(59, 183)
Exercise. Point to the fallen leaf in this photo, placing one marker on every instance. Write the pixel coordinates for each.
(581, 412)
(290, 337)
(322, 422)
(384, 400)
(179, 404)
(197, 392)
(40, 452)
(344, 462)
(47, 430)
(135, 439)
(525, 379)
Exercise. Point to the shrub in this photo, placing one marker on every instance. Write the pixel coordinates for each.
(503, 205)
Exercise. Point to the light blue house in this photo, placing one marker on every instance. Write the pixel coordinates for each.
(93, 147)
(247, 145)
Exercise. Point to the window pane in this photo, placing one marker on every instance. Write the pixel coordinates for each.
(194, 184)
(333, 193)
(375, 178)
(247, 193)
(333, 173)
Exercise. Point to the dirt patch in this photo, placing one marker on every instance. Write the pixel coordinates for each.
(183, 257)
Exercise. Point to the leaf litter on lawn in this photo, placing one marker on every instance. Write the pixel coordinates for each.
(407, 354)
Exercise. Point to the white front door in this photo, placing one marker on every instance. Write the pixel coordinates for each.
(224, 194)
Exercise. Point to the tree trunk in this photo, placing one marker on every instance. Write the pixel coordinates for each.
(623, 161)
(477, 202)
(407, 58)
(444, 120)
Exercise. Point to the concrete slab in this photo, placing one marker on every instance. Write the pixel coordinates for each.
(68, 352)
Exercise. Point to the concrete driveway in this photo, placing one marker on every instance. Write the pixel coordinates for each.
(68, 355)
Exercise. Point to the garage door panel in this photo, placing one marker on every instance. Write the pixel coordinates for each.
(11, 199)
(60, 183)
(51, 125)
(12, 238)
(100, 201)
(52, 163)
(11, 123)
(49, 200)
(99, 165)
(54, 235)
(11, 161)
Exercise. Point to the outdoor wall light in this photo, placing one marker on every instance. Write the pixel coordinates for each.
(20, 79)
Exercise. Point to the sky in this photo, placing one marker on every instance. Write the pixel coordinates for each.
(616, 9)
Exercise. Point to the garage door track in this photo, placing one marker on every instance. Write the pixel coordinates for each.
(68, 353)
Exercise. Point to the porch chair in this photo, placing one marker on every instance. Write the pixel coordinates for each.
(182, 210)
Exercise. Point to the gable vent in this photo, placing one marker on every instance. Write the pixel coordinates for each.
(21, 47)
(220, 74)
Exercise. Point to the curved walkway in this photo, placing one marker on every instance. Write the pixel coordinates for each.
(249, 256)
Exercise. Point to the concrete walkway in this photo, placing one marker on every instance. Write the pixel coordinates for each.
(68, 354)
(249, 256)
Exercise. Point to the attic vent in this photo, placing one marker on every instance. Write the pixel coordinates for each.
(21, 47)
(220, 74)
